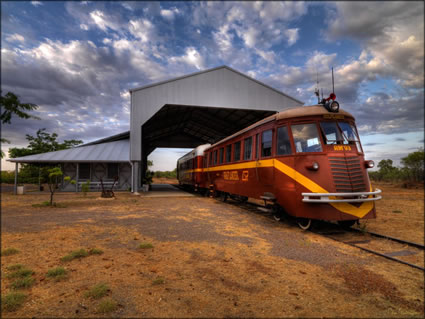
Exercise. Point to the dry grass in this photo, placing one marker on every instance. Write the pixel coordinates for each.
(9, 252)
(12, 301)
(218, 261)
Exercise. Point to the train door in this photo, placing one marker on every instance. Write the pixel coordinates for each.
(265, 172)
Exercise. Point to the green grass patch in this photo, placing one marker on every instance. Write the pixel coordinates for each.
(20, 273)
(15, 267)
(145, 245)
(95, 251)
(47, 204)
(9, 251)
(158, 281)
(23, 283)
(108, 305)
(98, 291)
(12, 301)
(75, 254)
(397, 211)
(57, 273)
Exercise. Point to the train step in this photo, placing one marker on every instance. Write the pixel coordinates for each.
(270, 198)
(265, 209)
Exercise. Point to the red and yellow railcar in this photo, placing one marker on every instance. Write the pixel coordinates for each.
(306, 161)
(190, 168)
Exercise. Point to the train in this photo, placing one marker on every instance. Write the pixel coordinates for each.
(306, 162)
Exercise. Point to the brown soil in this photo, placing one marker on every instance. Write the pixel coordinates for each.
(215, 260)
(400, 213)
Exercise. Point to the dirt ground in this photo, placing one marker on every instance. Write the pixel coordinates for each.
(209, 259)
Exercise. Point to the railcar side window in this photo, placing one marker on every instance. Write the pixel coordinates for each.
(215, 157)
(221, 155)
(331, 133)
(228, 153)
(237, 155)
(266, 143)
(257, 142)
(247, 148)
(210, 163)
(306, 138)
(283, 146)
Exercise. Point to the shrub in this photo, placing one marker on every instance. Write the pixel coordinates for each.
(75, 254)
(158, 281)
(106, 306)
(98, 291)
(145, 245)
(20, 273)
(57, 273)
(95, 251)
(9, 251)
(15, 267)
(25, 282)
(12, 301)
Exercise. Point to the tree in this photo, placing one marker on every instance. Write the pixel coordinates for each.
(54, 174)
(10, 105)
(41, 143)
(414, 162)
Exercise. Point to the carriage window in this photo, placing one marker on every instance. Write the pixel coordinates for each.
(237, 152)
(112, 170)
(266, 143)
(215, 157)
(257, 142)
(228, 153)
(283, 146)
(221, 155)
(210, 163)
(306, 138)
(331, 133)
(247, 148)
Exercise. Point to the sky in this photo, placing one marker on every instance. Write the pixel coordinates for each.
(78, 60)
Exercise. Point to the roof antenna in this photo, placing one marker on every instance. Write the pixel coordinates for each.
(333, 86)
(316, 90)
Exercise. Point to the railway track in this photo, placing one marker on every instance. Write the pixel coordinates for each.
(407, 253)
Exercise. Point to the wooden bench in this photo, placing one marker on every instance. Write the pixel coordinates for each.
(96, 186)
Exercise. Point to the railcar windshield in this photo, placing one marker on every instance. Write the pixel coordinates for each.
(331, 133)
(306, 138)
(350, 135)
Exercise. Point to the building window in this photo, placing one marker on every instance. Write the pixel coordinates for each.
(283, 146)
(237, 155)
(228, 153)
(247, 148)
(221, 155)
(266, 143)
(112, 170)
(84, 171)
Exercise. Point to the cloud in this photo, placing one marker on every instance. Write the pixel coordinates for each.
(169, 14)
(37, 3)
(400, 139)
(15, 38)
(372, 144)
(191, 57)
(292, 35)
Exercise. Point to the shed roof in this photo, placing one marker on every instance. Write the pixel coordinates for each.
(116, 151)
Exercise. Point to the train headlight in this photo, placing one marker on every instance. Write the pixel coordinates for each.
(334, 106)
(369, 164)
(313, 166)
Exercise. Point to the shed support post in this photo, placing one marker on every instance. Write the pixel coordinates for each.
(15, 188)
(132, 176)
(76, 178)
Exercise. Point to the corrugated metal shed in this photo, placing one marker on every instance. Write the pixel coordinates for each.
(116, 151)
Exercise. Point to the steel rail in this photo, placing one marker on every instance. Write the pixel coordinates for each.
(390, 238)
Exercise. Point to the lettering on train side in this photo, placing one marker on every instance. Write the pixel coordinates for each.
(245, 175)
(231, 175)
(342, 148)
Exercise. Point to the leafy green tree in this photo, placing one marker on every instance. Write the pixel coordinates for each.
(54, 175)
(11, 105)
(41, 143)
(414, 162)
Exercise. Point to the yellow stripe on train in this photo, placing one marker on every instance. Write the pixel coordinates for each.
(347, 208)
